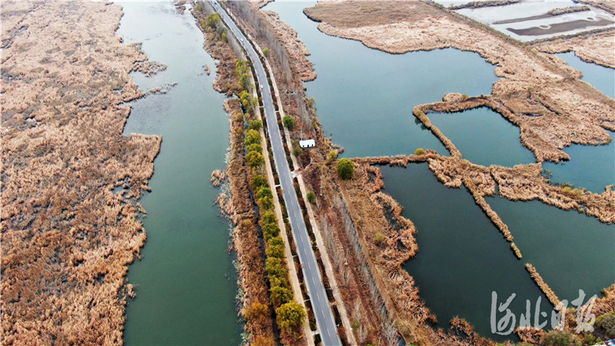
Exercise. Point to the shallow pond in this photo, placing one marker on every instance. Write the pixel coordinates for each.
(186, 280)
(571, 251)
(462, 256)
(365, 96)
(484, 137)
(590, 167)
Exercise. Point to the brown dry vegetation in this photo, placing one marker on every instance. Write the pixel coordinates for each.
(226, 79)
(595, 48)
(537, 92)
(217, 177)
(359, 212)
(523, 182)
(542, 284)
(286, 57)
(374, 288)
(294, 46)
(255, 304)
(246, 234)
(66, 237)
(607, 5)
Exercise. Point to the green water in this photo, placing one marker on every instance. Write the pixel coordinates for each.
(462, 256)
(365, 96)
(186, 280)
(571, 251)
(499, 142)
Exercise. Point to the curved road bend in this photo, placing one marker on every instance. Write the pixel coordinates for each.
(316, 290)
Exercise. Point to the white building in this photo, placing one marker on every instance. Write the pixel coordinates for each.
(308, 143)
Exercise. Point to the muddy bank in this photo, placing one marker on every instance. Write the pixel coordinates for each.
(67, 237)
(595, 48)
(297, 50)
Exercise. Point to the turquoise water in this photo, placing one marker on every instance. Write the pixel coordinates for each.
(484, 137)
(365, 96)
(571, 251)
(590, 167)
(186, 280)
(600, 77)
(462, 256)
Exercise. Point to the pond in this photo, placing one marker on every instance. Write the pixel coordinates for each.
(483, 137)
(365, 96)
(462, 256)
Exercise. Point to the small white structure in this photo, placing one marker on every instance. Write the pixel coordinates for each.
(308, 143)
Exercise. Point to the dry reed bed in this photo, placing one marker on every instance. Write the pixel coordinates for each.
(606, 5)
(294, 46)
(217, 177)
(542, 284)
(523, 182)
(240, 211)
(66, 237)
(374, 212)
(545, 128)
(595, 48)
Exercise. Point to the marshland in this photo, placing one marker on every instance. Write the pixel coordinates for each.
(481, 164)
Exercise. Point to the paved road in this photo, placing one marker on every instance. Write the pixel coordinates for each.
(316, 290)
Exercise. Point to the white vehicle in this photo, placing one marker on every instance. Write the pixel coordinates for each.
(261, 87)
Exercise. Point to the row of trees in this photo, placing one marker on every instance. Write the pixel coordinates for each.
(290, 315)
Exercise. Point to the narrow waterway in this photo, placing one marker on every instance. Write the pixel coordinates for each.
(462, 256)
(499, 142)
(186, 280)
(600, 77)
(365, 96)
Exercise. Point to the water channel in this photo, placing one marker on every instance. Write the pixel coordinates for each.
(186, 279)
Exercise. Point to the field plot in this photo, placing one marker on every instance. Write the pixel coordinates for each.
(529, 20)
